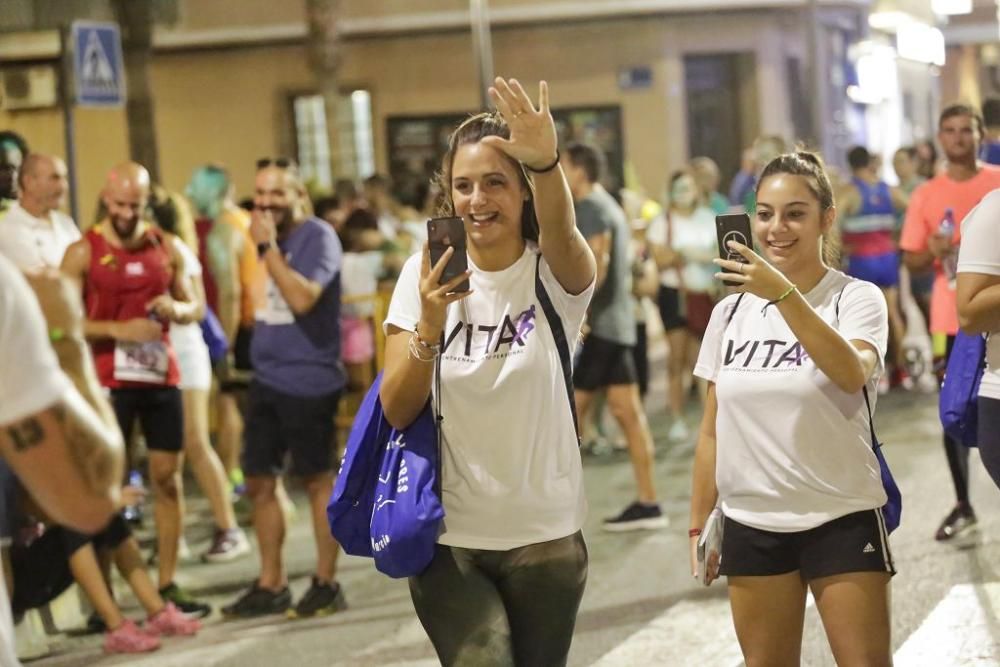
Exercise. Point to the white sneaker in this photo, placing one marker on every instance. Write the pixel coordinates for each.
(678, 431)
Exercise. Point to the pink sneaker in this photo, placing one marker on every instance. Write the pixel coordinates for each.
(169, 622)
(128, 638)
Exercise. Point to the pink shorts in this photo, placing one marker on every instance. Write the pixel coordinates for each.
(357, 340)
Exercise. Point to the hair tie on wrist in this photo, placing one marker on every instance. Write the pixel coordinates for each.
(778, 300)
(694, 532)
(56, 334)
(543, 170)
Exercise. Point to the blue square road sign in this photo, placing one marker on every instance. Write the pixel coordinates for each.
(98, 67)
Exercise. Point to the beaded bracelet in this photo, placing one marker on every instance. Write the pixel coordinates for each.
(416, 352)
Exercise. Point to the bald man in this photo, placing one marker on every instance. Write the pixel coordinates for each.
(34, 233)
(133, 283)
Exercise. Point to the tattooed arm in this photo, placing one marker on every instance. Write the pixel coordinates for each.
(61, 439)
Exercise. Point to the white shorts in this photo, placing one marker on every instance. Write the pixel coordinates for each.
(192, 356)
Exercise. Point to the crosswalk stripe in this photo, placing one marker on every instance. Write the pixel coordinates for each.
(690, 633)
(958, 631)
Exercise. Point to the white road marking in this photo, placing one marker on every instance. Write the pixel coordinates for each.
(961, 630)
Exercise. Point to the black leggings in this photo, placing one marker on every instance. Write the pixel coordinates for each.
(957, 455)
(502, 608)
(989, 436)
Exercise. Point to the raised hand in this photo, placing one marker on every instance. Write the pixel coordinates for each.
(533, 140)
(757, 277)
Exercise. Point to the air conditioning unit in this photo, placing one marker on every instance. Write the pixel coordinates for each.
(29, 87)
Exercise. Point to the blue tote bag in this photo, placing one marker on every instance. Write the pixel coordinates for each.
(958, 403)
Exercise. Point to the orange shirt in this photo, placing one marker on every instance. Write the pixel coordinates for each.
(249, 278)
(925, 212)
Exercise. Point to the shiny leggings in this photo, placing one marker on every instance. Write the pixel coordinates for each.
(989, 436)
(502, 608)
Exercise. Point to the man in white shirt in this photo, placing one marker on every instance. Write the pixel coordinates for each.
(34, 234)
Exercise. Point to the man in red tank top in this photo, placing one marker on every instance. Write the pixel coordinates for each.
(134, 286)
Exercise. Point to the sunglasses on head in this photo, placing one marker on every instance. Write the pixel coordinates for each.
(279, 162)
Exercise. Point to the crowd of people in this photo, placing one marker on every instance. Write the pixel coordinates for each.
(173, 312)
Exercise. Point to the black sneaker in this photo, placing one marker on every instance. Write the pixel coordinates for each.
(959, 519)
(259, 601)
(183, 601)
(320, 600)
(637, 516)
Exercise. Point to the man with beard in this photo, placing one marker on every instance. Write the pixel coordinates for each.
(954, 192)
(35, 233)
(297, 383)
(133, 283)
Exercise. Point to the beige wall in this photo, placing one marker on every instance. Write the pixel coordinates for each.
(231, 105)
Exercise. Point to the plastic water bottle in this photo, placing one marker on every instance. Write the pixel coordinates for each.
(949, 263)
(133, 513)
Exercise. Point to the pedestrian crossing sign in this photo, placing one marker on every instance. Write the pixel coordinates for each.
(97, 64)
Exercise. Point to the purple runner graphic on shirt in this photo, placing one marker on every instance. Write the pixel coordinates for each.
(525, 325)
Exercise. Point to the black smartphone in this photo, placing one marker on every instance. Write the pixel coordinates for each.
(733, 227)
(443, 233)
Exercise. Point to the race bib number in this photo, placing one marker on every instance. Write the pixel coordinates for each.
(142, 362)
(275, 309)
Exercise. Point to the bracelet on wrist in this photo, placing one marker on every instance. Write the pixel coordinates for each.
(419, 353)
(694, 532)
(423, 343)
(781, 298)
(262, 248)
(545, 169)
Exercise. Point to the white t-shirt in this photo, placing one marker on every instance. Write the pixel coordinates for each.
(695, 238)
(31, 382)
(511, 471)
(793, 449)
(35, 243)
(980, 253)
(359, 276)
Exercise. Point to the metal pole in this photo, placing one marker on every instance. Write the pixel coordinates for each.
(67, 99)
(483, 48)
(814, 35)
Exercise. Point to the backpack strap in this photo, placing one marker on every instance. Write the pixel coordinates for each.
(864, 387)
(562, 345)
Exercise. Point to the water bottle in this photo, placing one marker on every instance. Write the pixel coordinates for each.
(133, 513)
(949, 263)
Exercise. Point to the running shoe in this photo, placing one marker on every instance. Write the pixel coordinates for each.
(183, 601)
(227, 545)
(320, 600)
(128, 638)
(637, 516)
(959, 519)
(257, 601)
(170, 622)
(678, 431)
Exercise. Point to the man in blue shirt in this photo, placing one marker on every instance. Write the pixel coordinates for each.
(990, 151)
(297, 382)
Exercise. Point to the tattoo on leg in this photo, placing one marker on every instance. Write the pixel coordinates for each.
(26, 434)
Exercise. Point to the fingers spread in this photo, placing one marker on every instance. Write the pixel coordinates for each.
(500, 103)
(522, 97)
(543, 97)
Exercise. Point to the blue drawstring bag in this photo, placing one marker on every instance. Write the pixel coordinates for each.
(349, 511)
(958, 402)
(385, 503)
(407, 512)
(215, 337)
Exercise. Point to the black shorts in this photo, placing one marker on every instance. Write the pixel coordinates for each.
(278, 424)
(668, 299)
(41, 569)
(603, 363)
(856, 542)
(160, 411)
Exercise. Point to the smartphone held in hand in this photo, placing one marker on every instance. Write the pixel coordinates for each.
(444, 233)
(733, 227)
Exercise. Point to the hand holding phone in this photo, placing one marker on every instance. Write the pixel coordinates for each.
(733, 227)
(444, 233)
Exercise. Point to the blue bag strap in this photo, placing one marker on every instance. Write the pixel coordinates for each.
(562, 345)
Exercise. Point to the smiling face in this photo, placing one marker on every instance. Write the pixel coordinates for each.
(790, 223)
(488, 195)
